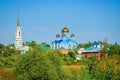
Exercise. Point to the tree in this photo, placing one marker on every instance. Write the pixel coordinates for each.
(115, 43)
(2, 46)
(44, 44)
(72, 55)
(37, 65)
(8, 50)
(31, 44)
(105, 48)
(86, 45)
(114, 49)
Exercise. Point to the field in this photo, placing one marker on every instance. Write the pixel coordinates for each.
(7, 74)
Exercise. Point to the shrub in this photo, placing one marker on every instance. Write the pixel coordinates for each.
(36, 65)
(105, 69)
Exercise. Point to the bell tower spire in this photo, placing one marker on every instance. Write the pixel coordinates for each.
(18, 20)
(18, 34)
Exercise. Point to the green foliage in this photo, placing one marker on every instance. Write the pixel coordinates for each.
(107, 69)
(85, 45)
(84, 73)
(56, 58)
(71, 72)
(114, 49)
(37, 65)
(71, 54)
(2, 46)
(105, 49)
(31, 44)
(69, 59)
(8, 61)
(44, 44)
(8, 51)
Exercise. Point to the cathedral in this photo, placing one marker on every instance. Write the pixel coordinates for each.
(18, 43)
(64, 41)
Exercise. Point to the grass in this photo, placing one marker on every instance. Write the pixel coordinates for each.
(75, 68)
(7, 73)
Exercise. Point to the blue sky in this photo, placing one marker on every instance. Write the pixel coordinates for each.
(41, 20)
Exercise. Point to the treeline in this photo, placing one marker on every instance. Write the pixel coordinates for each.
(8, 50)
(40, 64)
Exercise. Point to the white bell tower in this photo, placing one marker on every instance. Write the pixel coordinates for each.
(18, 36)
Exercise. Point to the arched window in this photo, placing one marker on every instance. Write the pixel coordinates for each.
(19, 33)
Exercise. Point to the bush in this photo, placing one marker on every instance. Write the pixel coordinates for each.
(36, 65)
(108, 69)
(114, 49)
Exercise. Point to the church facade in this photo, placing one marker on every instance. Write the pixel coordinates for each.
(64, 41)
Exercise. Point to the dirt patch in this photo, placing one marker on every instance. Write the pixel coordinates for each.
(7, 74)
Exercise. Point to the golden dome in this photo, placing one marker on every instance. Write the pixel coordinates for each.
(65, 30)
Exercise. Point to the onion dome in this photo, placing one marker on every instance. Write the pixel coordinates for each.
(72, 35)
(95, 43)
(65, 30)
(63, 35)
(57, 35)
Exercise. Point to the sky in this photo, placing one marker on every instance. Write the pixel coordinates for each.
(41, 20)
